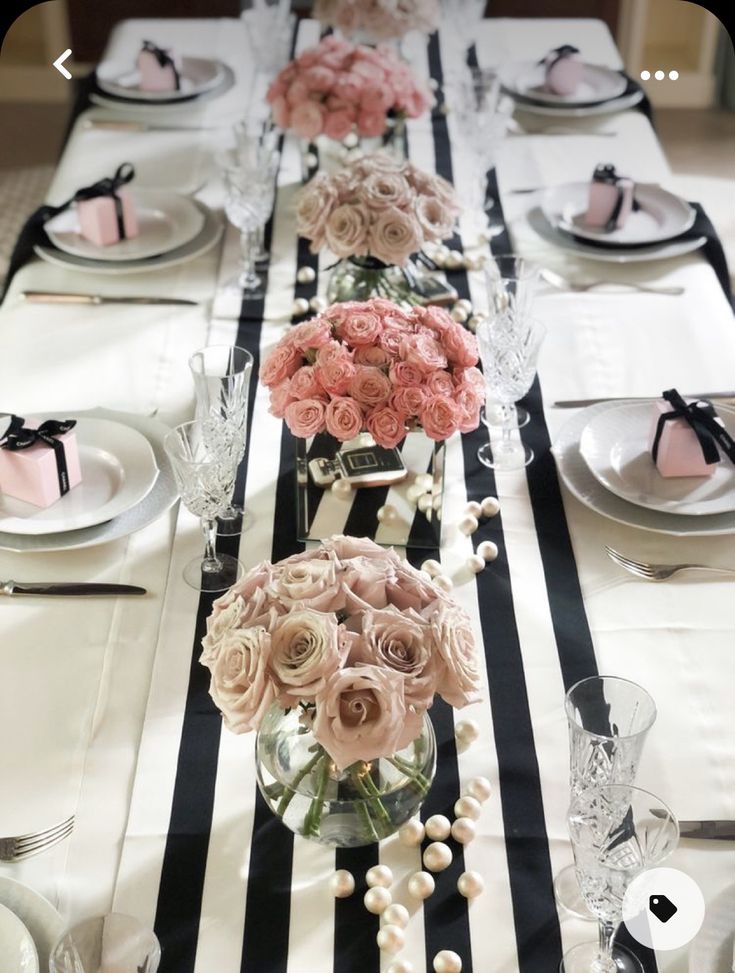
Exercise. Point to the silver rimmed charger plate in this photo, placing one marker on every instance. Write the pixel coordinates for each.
(160, 498)
(182, 109)
(581, 483)
(526, 79)
(623, 103)
(197, 75)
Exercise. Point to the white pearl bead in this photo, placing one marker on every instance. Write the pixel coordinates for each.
(447, 961)
(351, 140)
(377, 900)
(414, 492)
(379, 875)
(343, 488)
(391, 939)
(456, 257)
(468, 524)
(311, 160)
(474, 508)
(425, 481)
(318, 304)
(421, 885)
(464, 304)
(475, 563)
(490, 506)
(467, 731)
(470, 884)
(387, 514)
(463, 830)
(397, 915)
(306, 275)
(342, 883)
(431, 567)
(443, 582)
(436, 503)
(411, 833)
(400, 966)
(438, 827)
(459, 314)
(488, 550)
(300, 306)
(437, 856)
(480, 788)
(425, 503)
(467, 807)
(425, 576)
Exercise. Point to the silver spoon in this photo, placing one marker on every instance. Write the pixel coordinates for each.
(563, 284)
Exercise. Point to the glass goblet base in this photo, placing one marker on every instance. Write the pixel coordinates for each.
(569, 896)
(586, 959)
(218, 579)
(233, 521)
(505, 456)
(492, 416)
(249, 286)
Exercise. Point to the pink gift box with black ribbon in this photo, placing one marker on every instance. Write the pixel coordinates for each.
(611, 199)
(157, 69)
(106, 210)
(39, 461)
(687, 438)
(563, 70)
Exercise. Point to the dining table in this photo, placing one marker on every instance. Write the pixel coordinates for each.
(104, 706)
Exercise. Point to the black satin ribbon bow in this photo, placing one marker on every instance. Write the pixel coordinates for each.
(702, 417)
(108, 187)
(606, 173)
(164, 58)
(18, 437)
(561, 52)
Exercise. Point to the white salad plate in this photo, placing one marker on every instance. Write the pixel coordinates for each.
(196, 76)
(207, 237)
(39, 917)
(17, 951)
(614, 445)
(577, 477)
(166, 221)
(661, 216)
(118, 470)
(526, 79)
(623, 103)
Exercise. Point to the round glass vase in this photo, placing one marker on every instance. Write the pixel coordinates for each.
(346, 808)
(360, 278)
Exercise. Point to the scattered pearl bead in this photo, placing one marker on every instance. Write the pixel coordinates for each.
(459, 314)
(318, 304)
(300, 306)
(391, 939)
(342, 488)
(377, 900)
(456, 257)
(468, 524)
(447, 961)
(467, 807)
(442, 252)
(306, 275)
(437, 856)
(480, 788)
(379, 875)
(438, 827)
(488, 550)
(463, 830)
(470, 884)
(425, 503)
(421, 885)
(436, 503)
(425, 576)
(342, 883)
(443, 582)
(490, 506)
(464, 304)
(396, 915)
(425, 481)
(351, 140)
(414, 492)
(467, 731)
(432, 567)
(400, 966)
(474, 508)
(411, 833)
(476, 563)
(387, 514)
(311, 160)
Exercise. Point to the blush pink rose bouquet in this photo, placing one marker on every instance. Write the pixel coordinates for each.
(373, 366)
(378, 19)
(357, 642)
(337, 87)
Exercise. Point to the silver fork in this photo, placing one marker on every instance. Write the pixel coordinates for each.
(580, 287)
(15, 849)
(658, 572)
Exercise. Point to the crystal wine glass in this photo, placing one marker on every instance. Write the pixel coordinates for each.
(222, 376)
(270, 26)
(509, 346)
(205, 476)
(608, 719)
(112, 942)
(617, 831)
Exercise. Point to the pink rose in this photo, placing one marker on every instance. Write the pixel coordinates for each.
(371, 355)
(436, 219)
(240, 685)
(281, 113)
(370, 386)
(423, 351)
(394, 236)
(460, 346)
(315, 204)
(439, 417)
(408, 401)
(309, 57)
(364, 581)
(346, 230)
(386, 426)
(281, 398)
(435, 318)
(438, 383)
(305, 418)
(468, 402)
(307, 119)
(225, 618)
(460, 681)
(376, 98)
(382, 189)
(255, 580)
(346, 547)
(305, 652)
(312, 334)
(371, 123)
(298, 93)
(319, 78)
(392, 336)
(361, 714)
(472, 377)
(403, 373)
(308, 584)
(344, 418)
(335, 368)
(280, 364)
(305, 384)
(338, 123)
(361, 327)
(349, 88)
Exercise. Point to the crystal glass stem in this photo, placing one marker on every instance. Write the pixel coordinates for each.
(211, 562)
(509, 423)
(248, 278)
(606, 963)
(261, 254)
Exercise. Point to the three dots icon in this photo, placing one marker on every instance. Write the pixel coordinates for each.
(659, 75)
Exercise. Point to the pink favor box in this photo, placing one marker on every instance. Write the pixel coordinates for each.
(565, 76)
(603, 199)
(679, 452)
(154, 77)
(31, 474)
(98, 218)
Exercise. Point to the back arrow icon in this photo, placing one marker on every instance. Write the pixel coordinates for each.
(59, 64)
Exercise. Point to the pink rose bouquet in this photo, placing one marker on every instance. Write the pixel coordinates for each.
(337, 87)
(372, 366)
(379, 19)
(377, 207)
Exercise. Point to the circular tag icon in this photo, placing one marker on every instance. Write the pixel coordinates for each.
(663, 908)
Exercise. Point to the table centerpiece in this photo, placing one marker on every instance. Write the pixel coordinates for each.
(378, 20)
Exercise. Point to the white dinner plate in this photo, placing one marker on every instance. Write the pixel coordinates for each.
(525, 79)
(37, 914)
(166, 221)
(181, 110)
(661, 215)
(197, 75)
(118, 469)
(17, 951)
(616, 255)
(208, 236)
(623, 103)
(712, 948)
(615, 447)
(579, 480)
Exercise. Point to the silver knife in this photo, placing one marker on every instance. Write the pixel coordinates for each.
(703, 830)
(69, 588)
(581, 403)
(52, 297)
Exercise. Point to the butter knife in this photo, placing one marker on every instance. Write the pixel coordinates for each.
(703, 830)
(52, 297)
(582, 403)
(69, 588)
